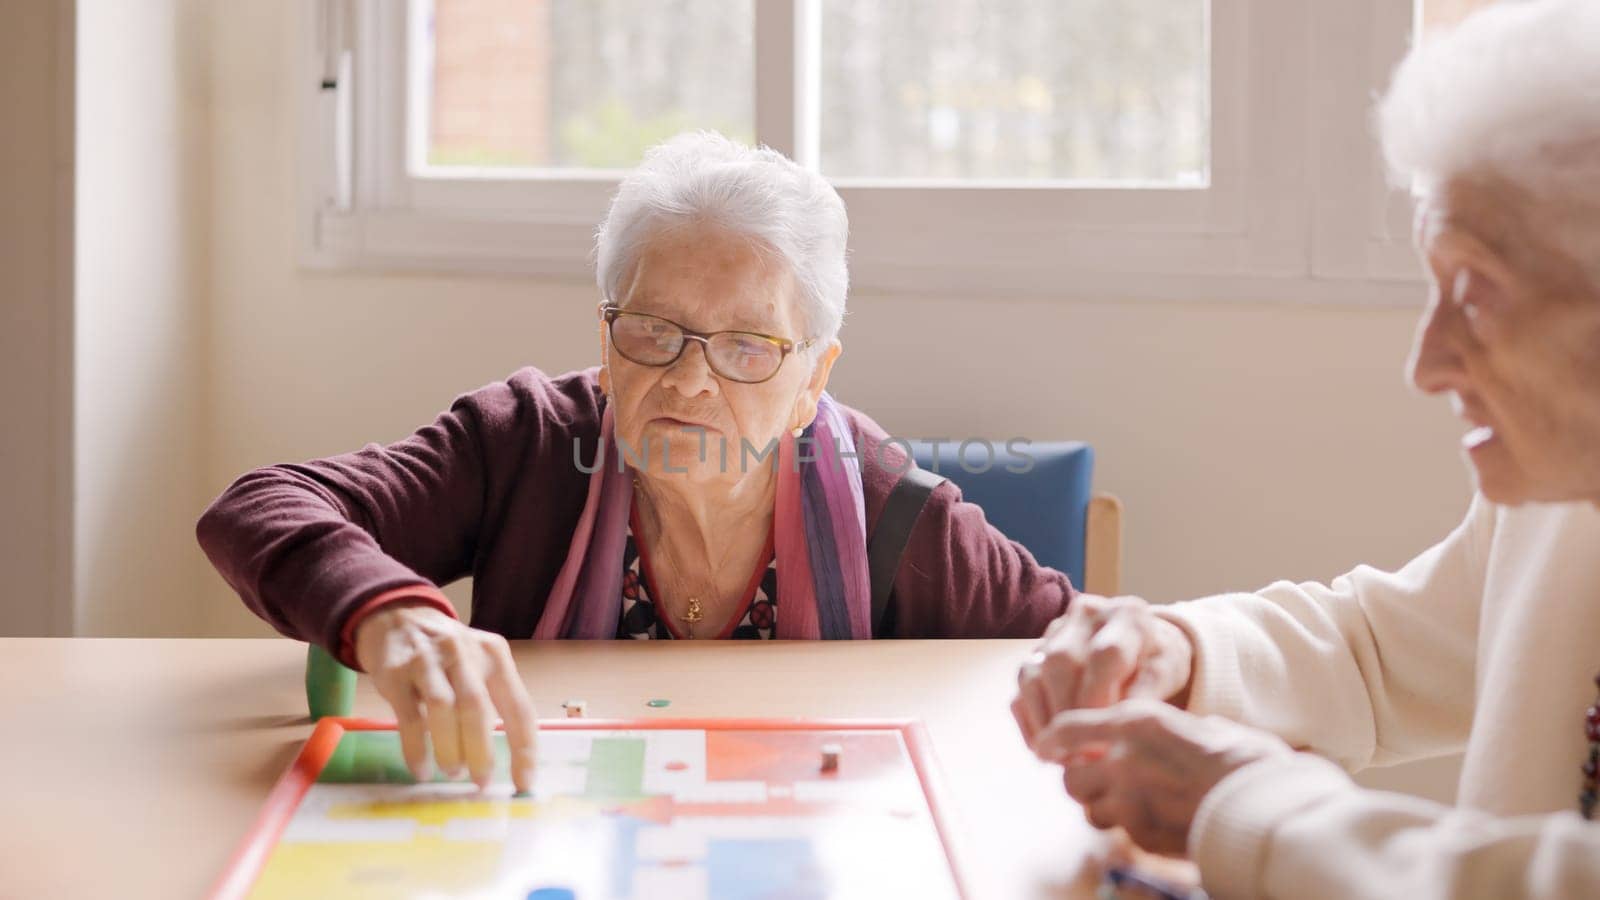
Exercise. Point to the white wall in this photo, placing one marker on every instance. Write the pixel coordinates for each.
(36, 317)
(141, 250)
(1250, 442)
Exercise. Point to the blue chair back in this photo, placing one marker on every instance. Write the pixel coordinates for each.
(1044, 508)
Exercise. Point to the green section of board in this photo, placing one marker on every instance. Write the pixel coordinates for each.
(366, 757)
(616, 769)
(374, 757)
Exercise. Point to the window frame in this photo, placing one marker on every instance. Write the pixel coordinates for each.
(1365, 225)
(1296, 207)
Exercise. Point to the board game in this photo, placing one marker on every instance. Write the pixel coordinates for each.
(653, 808)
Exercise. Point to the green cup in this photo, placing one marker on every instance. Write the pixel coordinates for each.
(330, 686)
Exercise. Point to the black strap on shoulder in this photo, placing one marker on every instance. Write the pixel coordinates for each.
(892, 532)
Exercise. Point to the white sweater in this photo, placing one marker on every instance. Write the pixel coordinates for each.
(1488, 642)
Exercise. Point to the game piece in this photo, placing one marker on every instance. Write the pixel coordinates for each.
(830, 757)
(749, 815)
(659, 704)
(330, 685)
(574, 708)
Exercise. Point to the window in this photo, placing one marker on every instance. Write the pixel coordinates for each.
(1364, 227)
(1107, 93)
(574, 84)
(1099, 148)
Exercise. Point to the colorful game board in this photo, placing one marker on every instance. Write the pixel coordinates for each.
(647, 809)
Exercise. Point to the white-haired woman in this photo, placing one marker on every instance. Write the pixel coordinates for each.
(684, 487)
(1490, 641)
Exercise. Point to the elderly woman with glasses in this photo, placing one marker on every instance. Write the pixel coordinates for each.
(1488, 643)
(700, 483)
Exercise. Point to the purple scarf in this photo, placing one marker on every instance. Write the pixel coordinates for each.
(819, 537)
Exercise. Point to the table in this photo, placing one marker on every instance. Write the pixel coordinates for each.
(133, 768)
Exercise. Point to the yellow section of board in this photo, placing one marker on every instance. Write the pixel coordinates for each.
(440, 812)
(385, 869)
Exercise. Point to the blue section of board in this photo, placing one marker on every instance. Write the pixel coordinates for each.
(764, 869)
(624, 854)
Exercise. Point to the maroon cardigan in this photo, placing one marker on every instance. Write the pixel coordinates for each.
(490, 490)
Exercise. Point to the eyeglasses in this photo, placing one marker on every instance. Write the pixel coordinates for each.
(742, 356)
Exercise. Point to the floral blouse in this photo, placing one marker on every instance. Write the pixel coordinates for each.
(756, 620)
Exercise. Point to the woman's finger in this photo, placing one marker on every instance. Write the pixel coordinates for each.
(1169, 659)
(1112, 659)
(1060, 622)
(1035, 707)
(516, 709)
(1062, 666)
(1086, 782)
(1156, 678)
(1106, 812)
(413, 726)
(439, 706)
(1019, 712)
(474, 722)
(1076, 732)
(395, 687)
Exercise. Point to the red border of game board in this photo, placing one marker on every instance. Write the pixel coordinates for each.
(245, 866)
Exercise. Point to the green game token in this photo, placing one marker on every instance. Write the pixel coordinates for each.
(658, 704)
(330, 687)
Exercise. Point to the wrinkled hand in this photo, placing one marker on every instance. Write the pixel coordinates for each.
(441, 678)
(1145, 766)
(1101, 651)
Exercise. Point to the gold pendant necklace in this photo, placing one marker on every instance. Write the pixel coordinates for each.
(693, 615)
(696, 612)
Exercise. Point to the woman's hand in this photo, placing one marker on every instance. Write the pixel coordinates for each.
(441, 678)
(1145, 766)
(1101, 651)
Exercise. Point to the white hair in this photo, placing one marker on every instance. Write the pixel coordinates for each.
(703, 177)
(1514, 90)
